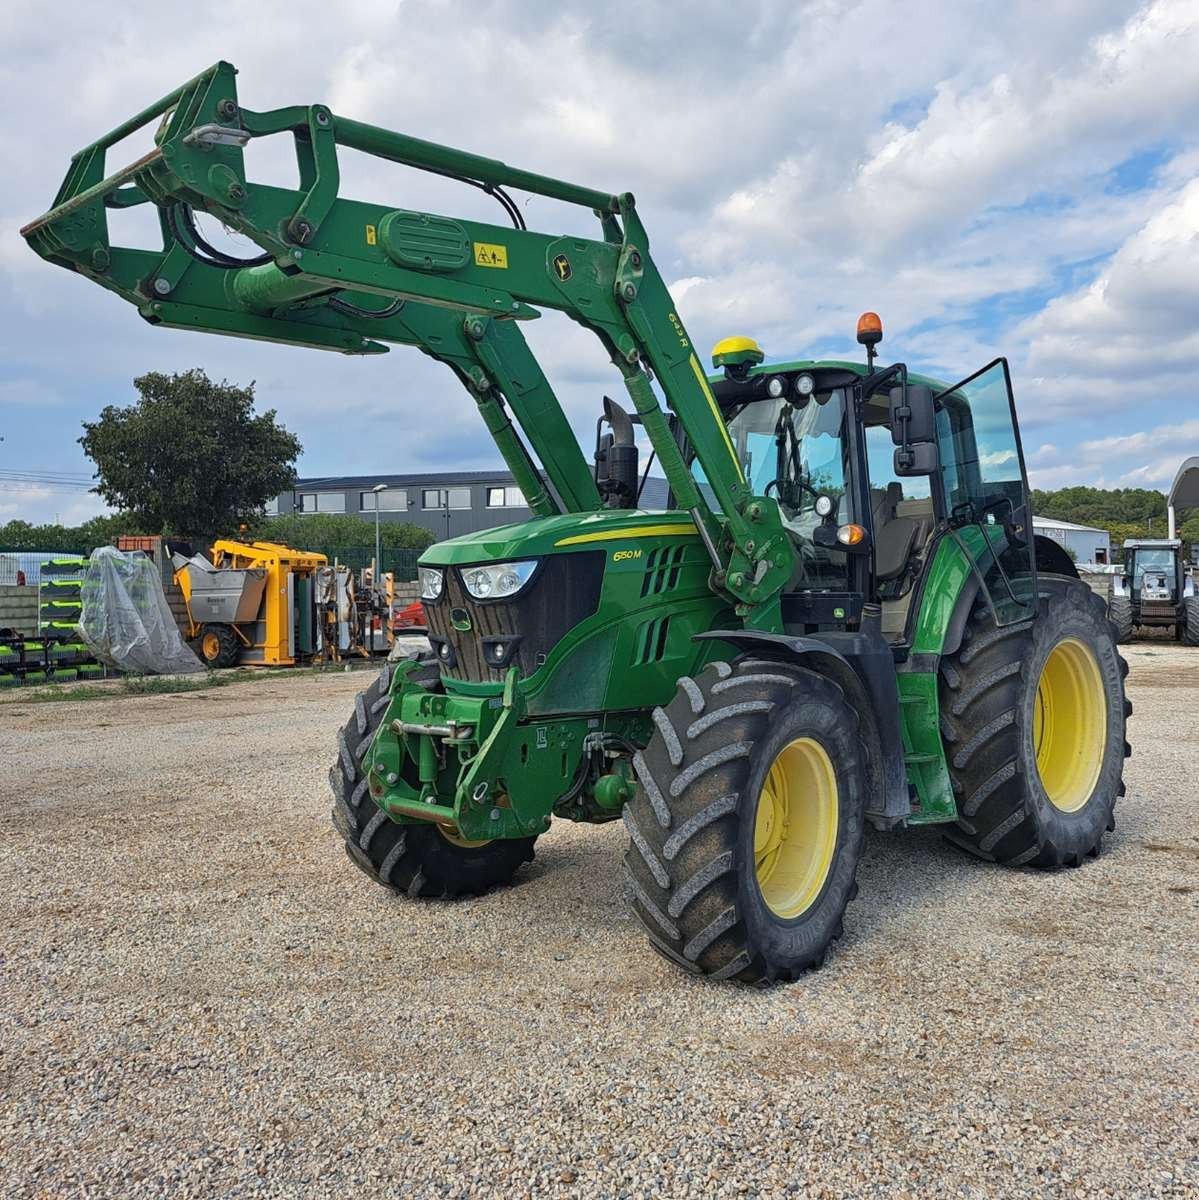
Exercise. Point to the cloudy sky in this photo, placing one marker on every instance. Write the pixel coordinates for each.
(1017, 179)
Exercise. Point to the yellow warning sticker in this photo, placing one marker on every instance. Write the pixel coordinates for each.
(487, 255)
(371, 236)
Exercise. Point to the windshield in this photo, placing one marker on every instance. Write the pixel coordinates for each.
(795, 454)
(1152, 560)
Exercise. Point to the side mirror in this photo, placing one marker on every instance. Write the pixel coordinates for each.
(914, 430)
(919, 459)
(913, 415)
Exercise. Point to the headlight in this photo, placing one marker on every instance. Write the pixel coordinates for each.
(497, 580)
(805, 385)
(432, 580)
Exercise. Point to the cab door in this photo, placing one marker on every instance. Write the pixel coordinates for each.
(985, 488)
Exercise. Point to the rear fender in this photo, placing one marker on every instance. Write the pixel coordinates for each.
(864, 669)
(1052, 559)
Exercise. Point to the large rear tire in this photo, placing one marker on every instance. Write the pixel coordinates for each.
(1190, 628)
(747, 827)
(420, 860)
(1033, 717)
(1120, 612)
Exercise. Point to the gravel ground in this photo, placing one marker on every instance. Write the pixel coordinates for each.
(200, 996)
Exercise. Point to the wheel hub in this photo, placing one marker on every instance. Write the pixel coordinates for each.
(1070, 724)
(795, 828)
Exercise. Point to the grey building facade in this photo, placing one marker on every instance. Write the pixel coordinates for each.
(447, 503)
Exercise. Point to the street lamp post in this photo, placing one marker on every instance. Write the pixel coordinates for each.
(378, 552)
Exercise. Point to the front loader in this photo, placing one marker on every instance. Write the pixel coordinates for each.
(842, 617)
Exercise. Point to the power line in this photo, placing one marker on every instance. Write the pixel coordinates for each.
(47, 473)
(24, 487)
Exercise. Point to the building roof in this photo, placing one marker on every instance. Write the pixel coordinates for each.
(1184, 491)
(1051, 523)
(346, 483)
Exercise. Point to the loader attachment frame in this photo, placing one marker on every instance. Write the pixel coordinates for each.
(351, 276)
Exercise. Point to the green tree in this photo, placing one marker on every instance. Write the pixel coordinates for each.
(328, 531)
(99, 531)
(190, 457)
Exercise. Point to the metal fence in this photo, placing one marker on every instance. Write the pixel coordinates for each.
(25, 566)
(401, 563)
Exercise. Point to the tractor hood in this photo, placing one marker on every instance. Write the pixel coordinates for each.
(540, 536)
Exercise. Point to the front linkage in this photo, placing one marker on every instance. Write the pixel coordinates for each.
(479, 768)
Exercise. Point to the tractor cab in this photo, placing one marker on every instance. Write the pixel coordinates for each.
(871, 468)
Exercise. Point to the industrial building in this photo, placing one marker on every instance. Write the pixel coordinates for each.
(447, 503)
(1084, 543)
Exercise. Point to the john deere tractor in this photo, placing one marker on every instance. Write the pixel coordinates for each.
(842, 616)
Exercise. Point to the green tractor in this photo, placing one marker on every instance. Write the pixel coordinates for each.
(842, 616)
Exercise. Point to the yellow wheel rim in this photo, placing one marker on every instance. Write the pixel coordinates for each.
(1070, 724)
(211, 646)
(795, 828)
(456, 839)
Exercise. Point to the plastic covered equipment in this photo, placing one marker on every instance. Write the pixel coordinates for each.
(126, 620)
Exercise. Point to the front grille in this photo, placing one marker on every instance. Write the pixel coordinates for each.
(563, 592)
(1157, 608)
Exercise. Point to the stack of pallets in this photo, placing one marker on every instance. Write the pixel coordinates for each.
(59, 603)
(57, 653)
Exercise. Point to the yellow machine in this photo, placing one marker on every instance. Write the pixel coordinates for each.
(253, 603)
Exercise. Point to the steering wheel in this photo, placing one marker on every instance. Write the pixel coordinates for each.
(801, 484)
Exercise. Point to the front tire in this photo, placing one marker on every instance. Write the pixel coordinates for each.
(1120, 612)
(748, 824)
(420, 860)
(1190, 628)
(1033, 718)
(218, 646)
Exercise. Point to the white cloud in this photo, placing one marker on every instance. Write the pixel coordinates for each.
(1148, 458)
(1141, 315)
(788, 179)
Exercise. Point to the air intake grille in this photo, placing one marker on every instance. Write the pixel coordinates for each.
(650, 645)
(662, 569)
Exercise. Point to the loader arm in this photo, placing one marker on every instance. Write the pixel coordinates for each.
(351, 276)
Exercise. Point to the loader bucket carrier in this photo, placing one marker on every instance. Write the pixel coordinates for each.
(842, 617)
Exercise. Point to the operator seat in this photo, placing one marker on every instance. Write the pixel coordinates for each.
(901, 531)
(894, 536)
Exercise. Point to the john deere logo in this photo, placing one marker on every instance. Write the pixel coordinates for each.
(562, 267)
(460, 619)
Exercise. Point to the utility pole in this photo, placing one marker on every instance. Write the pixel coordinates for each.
(378, 553)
